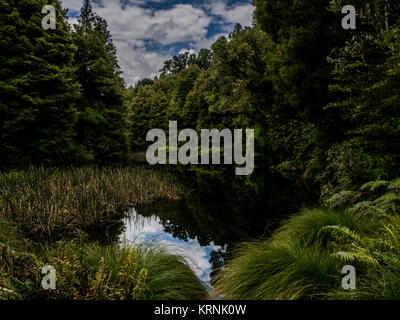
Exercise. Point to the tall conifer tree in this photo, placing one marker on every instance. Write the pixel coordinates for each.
(102, 127)
(38, 91)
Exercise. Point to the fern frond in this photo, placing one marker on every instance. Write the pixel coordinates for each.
(340, 233)
(388, 200)
(342, 198)
(374, 185)
(395, 184)
(356, 256)
(365, 208)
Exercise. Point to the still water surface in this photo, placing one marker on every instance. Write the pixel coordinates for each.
(219, 210)
(140, 228)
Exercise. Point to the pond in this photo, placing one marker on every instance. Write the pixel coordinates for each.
(219, 210)
(151, 228)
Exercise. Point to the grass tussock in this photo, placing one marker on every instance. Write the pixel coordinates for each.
(89, 271)
(304, 258)
(293, 264)
(44, 202)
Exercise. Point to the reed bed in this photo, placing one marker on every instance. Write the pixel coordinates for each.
(45, 202)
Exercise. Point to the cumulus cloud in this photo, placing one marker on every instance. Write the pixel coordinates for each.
(235, 13)
(139, 229)
(180, 23)
(72, 5)
(135, 23)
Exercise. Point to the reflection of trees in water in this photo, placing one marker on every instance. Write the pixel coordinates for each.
(227, 209)
(108, 233)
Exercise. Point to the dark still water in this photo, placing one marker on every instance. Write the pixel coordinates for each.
(219, 211)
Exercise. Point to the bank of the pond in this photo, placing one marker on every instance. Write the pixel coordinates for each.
(87, 270)
(50, 217)
(54, 202)
(151, 228)
(305, 256)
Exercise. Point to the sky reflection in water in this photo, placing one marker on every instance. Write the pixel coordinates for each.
(140, 228)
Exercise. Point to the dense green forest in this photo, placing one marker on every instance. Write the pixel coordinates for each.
(62, 91)
(325, 106)
(322, 99)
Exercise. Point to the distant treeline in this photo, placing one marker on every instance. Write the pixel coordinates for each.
(322, 99)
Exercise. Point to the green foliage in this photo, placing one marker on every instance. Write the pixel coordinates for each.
(90, 271)
(183, 60)
(295, 263)
(277, 271)
(62, 97)
(373, 198)
(102, 126)
(303, 259)
(53, 203)
(365, 74)
(38, 87)
(299, 81)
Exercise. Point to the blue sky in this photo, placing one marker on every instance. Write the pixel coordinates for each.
(146, 33)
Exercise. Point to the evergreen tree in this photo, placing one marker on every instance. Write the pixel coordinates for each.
(365, 82)
(305, 32)
(38, 91)
(102, 127)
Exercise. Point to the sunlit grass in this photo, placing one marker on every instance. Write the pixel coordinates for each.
(89, 271)
(46, 202)
(299, 261)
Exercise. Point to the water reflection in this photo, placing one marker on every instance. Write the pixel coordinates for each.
(219, 210)
(139, 228)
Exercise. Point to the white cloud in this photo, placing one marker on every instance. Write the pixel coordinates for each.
(233, 14)
(141, 229)
(191, 51)
(137, 62)
(181, 23)
(131, 25)
(72, 5)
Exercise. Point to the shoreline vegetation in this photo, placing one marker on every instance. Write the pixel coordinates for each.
(45, 202)
(303, 259)
(46, 217)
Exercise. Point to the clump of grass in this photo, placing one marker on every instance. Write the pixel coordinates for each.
(298, 262)
(304, 257)
(90, 271)
(293, 264)
(45, 202)
(138, 272)
(275, 271)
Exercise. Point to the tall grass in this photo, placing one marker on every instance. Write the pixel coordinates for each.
(298, 262)
(293, 264)
(89, 271)
(304, 257)
(45, 202)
